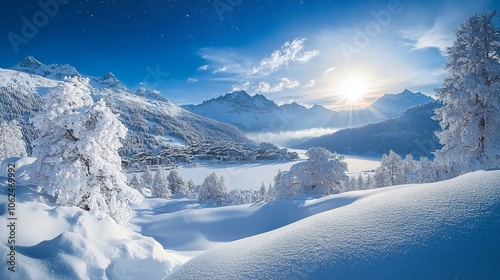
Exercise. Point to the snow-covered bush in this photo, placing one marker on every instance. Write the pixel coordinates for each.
(322, 173)
(160, 184)
(237, 197)
(213, 187)
(77, 152)
(390, 172)
(470, 117)
(11, 140)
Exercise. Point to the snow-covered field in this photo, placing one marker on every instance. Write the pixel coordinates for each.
(445, 230)
(251, 176)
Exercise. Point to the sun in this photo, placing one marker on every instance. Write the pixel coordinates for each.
(353, 90)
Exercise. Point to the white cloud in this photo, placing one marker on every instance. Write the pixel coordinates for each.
(439, 36)
(221, 69)
(203, 67)
(284, 83)
(328, 71)
(290, 52)
(245, 86)
(310, 84)
(192, 80)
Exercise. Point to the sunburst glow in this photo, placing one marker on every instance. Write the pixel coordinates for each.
(353, 90)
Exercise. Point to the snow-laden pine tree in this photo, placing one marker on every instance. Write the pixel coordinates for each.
(136, 183)
(262, 192)
(176, 184)
(160, 187)
(213, 187)
(77, 152)
(390, 172)
(191, 187)
(11, 140)
(148, 178)
(470, 117)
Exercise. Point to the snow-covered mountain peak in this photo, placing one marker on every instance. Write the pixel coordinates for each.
(52, 71)
(29, 63)
(110, 81)
(150, 94)
(399, 102)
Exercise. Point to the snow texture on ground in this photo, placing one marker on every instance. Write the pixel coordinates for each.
(446, 230)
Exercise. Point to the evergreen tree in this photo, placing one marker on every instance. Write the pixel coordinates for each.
(160, 184)
(213, 187)
(390, 172)
(11, 140)
(147, 178)
(470, 117)
(176, 184)
(262, 192)
(77, 152)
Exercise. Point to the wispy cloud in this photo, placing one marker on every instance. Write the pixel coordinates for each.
(244, 86)
(192, 80)
(328, 71)
(439, 36)
(203, 67)
(221, 69)
(284, 83)
(290, 52)
(310, 84)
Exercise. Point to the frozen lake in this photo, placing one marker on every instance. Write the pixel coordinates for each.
(251, 175)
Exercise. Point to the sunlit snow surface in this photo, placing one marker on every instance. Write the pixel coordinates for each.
(446, 230)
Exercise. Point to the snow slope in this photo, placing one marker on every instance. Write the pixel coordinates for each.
(446, 230)
(57, 242)
(149, 117)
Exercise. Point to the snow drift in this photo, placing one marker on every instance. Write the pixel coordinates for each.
(445, 230)
(58, 242)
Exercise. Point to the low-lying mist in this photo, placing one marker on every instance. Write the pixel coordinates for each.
(289, 138)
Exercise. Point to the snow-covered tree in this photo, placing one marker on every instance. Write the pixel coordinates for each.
(322, 173)
(369, 182)
(11, 140)
(77, 152)
(470, 117)
(136, 183)
(238, 197)
(191, 187)
(409, 171)
(213, 187)
(360, 184)
(176, 184)
(147, 178)
(160, 184)
(390, 172)
(285, 185)
(262, 192)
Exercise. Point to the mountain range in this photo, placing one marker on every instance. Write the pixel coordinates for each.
(258, 114)
(412, 132)
(151, 119)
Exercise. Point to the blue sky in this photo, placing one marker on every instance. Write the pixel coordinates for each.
(310, 52)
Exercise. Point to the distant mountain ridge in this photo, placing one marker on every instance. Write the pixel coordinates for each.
(258, 114)
(151, 119)
(412, 132)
